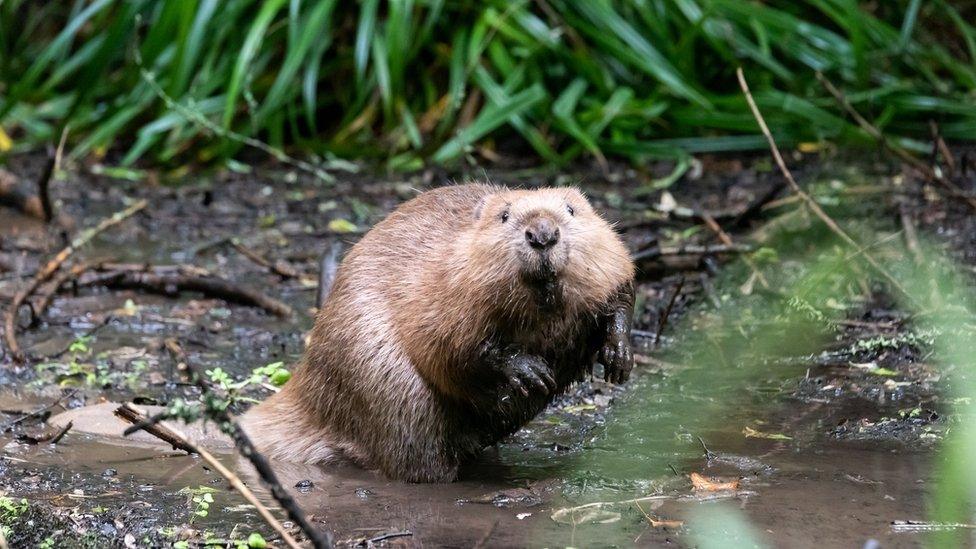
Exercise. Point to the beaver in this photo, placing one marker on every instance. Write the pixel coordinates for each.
(451, 324)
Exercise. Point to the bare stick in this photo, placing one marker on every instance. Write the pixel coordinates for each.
(279, 268)
(667, 311)
(57, 438)
(36, 413)
(60, 280)
(246, 448)
(44, 183)
(170, 284)
(727, 240)
(178, 354)
(655, 252)
(171, 435)
(898, 151)
(46, 272)
(807, 199)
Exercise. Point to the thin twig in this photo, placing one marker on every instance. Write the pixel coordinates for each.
(60, 280)
(727, 240)
(36, 413)
(246, 448)
(46, 272)
(64, 430)
(667, 311)
(807, 199)
(170, 284)
(44, 183)
(279, 268)
(656, 252)
(383, 537)
(178, 354)
(708, 453)
(169, 434)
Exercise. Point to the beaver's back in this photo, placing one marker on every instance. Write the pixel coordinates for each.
(357, 390)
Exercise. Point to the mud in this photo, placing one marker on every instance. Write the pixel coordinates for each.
(850, 451)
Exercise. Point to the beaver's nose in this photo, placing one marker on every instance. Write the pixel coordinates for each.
(542, 233)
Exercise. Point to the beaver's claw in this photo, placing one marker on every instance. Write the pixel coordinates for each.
(529, 374)
(616, 356)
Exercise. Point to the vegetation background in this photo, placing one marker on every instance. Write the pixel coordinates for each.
(409, 81)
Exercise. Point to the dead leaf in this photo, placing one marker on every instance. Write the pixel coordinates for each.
(704, 484)
(749, 432)
(672, 524)
(576, 515)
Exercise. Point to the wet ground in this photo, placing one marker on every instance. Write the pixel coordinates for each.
(830, 443)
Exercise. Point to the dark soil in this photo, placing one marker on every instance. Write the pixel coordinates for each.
(862, 415)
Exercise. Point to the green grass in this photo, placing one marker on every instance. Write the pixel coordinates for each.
(407, 81)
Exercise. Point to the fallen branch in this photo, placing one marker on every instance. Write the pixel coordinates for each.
(807, 199)
(667, 311)
(179, 356)
(927, 171)
(727, 240)
(170, 435)
(383, 537)
(44, 183)
(246, 448)
(64, 430)
(36, 413)
(58, 281)
(279, 267)
(48, 270)
(170, 282)
(656, 252)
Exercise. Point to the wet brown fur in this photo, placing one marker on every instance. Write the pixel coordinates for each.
(393, 377)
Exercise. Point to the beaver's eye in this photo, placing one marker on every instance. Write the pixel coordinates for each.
(570, 210)
(505, 216)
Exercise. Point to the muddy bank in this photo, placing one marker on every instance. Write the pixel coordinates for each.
(832, 445)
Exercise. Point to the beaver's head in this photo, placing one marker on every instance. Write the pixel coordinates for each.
(550, 242)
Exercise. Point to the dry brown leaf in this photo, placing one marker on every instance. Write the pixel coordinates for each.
(749, 432)
(673, 524)
(704, 484)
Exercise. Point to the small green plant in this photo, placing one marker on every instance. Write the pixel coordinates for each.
(80, 344)
(10, 509)
(274, 374)
(201, 498)
(254, 541)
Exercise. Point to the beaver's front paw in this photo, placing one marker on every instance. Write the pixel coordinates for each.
(527, 374)
(616, 355)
